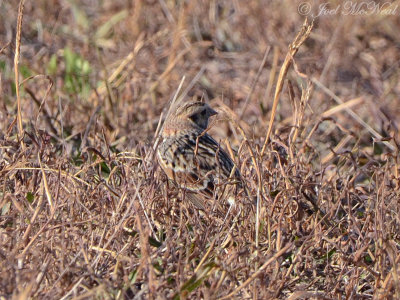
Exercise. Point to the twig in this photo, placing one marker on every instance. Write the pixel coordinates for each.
(88, 126)
(293, 48)
(258, 272)
(253, 86)
(16, 61)
(352, 113)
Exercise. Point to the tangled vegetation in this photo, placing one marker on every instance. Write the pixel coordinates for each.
(309, 110)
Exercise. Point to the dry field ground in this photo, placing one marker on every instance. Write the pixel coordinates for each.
(310, 114)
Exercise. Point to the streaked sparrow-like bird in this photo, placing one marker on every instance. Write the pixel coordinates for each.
(191, 157)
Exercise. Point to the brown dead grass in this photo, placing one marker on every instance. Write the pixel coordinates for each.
(85, 210)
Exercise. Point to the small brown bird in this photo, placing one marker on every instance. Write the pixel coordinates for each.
(191, 157)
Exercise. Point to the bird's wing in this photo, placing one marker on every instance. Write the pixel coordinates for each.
(210, 151)
(196, 162)
(176, 157)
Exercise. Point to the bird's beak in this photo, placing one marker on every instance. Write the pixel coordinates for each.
(212, 112)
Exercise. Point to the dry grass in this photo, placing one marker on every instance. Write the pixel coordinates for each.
(87, 213)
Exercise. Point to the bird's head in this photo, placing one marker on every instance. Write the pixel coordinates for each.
(195, 112)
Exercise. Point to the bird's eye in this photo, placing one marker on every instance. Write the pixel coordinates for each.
(194, 118)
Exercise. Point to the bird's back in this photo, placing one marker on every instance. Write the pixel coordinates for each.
(195, 160)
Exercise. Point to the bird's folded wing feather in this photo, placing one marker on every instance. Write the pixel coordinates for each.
(195, 162)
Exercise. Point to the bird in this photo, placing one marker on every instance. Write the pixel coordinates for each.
(191, 158)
